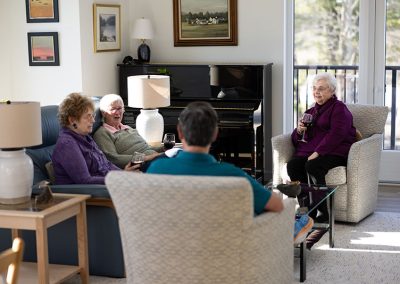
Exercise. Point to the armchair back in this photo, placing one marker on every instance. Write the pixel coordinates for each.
(196, 229)
(368, 119)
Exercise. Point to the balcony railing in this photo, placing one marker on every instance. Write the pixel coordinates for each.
(347, 91)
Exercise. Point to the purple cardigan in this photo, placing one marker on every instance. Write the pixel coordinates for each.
(78, 160)
(332, 132)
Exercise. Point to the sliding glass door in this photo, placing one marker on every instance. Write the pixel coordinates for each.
(359, 42)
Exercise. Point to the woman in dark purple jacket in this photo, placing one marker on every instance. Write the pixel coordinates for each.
(329, 139)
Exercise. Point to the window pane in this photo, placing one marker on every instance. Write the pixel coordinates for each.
(326, 36)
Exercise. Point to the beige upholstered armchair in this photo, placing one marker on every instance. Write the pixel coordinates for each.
(191, 229)
(357, 195)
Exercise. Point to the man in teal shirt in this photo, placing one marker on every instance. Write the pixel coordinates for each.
(197, 129)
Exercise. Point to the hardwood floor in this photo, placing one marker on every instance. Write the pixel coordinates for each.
(388, 198)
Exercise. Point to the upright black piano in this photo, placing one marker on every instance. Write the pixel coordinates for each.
(236, 91)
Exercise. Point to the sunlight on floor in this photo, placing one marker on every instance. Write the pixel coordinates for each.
(326, 247)
(379, 238)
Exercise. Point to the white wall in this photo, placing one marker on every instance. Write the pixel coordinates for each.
(260, 33)
(99, 70)
(80, 70)
(47, 84)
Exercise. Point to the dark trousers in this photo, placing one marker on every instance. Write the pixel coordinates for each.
(298, 167)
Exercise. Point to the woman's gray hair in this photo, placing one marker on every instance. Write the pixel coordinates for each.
(107, 100)
(328, 78)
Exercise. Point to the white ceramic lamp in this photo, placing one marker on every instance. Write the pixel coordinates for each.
(143, 30)
(20, 127)
(149, 92)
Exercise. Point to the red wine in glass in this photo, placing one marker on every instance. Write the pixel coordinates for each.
(169, 141)
(307, 121)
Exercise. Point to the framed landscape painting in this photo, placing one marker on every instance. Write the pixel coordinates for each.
(205, 22)
(43, 49)
(106, 27)
(41, 11)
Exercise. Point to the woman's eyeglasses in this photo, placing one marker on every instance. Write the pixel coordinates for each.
(89, 116)
(115, 109)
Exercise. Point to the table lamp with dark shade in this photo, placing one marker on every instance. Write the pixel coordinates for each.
(149, 92)
(20, 127)
(143, 30)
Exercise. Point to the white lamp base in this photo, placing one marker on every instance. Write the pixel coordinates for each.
(16, 177)
(150, 125)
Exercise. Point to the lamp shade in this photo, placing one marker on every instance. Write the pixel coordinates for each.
(20, 125)
(143, 29)
(148, 91)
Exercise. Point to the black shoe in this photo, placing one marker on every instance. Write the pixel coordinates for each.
(291, 189)
(322, 219)
(314, 237)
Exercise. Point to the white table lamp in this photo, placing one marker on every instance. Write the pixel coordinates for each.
(143, 30)
(20, 127)
(149, 92)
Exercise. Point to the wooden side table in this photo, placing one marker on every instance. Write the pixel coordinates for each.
(30, 216)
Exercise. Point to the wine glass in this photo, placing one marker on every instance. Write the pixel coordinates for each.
(169, 141)
(306, 119)
(138, 158)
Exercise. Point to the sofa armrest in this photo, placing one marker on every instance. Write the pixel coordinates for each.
(94, 190)
(269, 246)
(282, 151)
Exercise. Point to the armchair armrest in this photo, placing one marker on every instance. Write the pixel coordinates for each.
(282, 151)
(269, 246)
(363, 173)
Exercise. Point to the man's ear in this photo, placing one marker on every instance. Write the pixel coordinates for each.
(215, 135)
(180, 134)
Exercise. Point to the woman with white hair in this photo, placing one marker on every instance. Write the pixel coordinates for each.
(118, 141)
(326, 144)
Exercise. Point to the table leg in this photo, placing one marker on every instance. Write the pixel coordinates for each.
(332, 220)
(42, 252)
(303, 261)
(15, 233)
(82, 243)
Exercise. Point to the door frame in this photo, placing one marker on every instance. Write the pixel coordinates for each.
(371, 71)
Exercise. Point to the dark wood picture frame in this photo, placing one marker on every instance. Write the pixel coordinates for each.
(219, 28)
(43, 49)
(41, 11)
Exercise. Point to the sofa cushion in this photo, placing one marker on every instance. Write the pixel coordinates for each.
(39, 158)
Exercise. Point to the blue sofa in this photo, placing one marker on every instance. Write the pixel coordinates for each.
(104, 242)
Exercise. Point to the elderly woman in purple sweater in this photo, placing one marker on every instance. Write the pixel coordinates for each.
(329, 139)
(76, 157)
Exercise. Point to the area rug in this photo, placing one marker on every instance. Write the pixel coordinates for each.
(367, 252)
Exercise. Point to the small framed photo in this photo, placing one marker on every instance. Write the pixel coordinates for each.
(202, 23)
(106, 27)
(43, 49)
(41, 11)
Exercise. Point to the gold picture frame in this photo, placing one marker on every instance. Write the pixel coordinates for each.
(106, 27)
(205, 23)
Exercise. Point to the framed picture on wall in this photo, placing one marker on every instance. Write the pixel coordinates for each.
(206, 22)
(43, 49)
(41, 11)
(106, 27)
